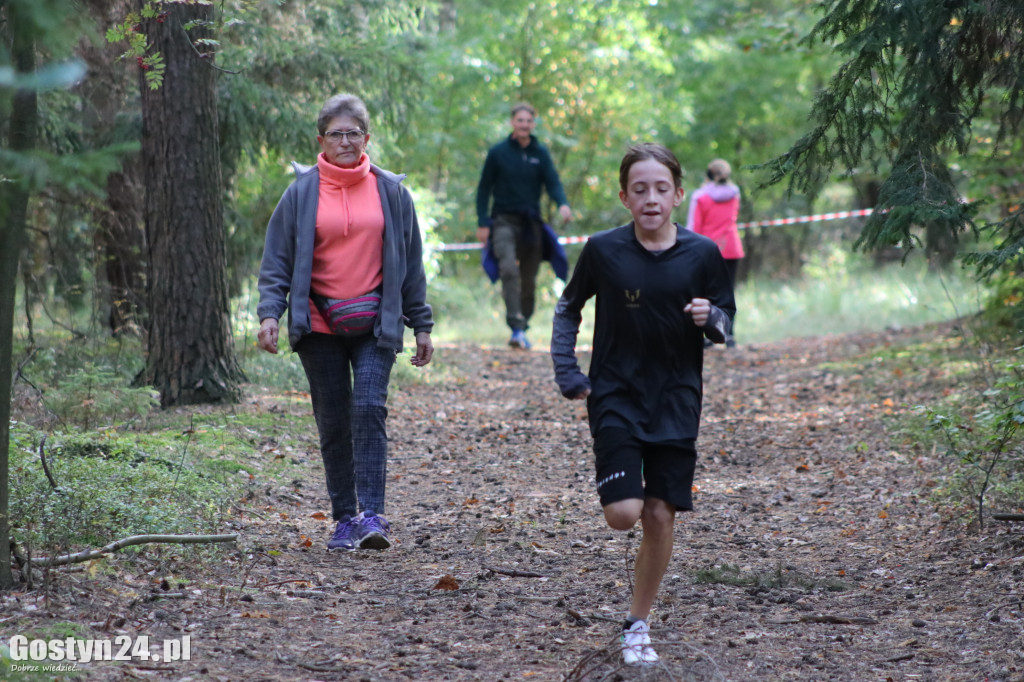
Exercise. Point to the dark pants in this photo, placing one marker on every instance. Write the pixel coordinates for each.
(516, 240)
(348, 386)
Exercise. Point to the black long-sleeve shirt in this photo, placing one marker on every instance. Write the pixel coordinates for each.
(646, 369)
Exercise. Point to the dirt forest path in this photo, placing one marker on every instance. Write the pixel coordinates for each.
(814, 553)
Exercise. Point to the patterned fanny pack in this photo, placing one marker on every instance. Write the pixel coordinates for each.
(349, 316)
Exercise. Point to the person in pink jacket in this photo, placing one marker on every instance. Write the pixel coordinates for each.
(714, 209)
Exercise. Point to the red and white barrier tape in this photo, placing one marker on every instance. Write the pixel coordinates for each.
(836, 215)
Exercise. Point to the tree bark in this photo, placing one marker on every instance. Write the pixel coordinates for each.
(121, 242)
(110, 113)
(940, 245)
(190, 354)
(13, 218)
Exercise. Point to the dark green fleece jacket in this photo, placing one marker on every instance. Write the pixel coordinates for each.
(515, 175)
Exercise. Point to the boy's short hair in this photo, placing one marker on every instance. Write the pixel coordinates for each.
(523, 106)
(650, 150)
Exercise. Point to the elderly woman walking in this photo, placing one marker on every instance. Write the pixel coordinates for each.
(343, 256)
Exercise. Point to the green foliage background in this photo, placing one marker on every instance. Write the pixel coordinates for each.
(732, 79)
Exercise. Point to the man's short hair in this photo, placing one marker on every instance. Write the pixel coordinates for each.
(523, 106)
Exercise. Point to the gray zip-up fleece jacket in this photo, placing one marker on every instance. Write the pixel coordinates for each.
(288, 260)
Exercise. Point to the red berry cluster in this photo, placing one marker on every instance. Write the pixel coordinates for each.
(142, 65)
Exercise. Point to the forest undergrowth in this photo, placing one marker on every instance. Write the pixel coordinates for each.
(828, 541)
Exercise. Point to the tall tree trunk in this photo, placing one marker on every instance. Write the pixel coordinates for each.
(108, 92)
(13, 217)
(121, 243)
(940, 245)
(190, 353)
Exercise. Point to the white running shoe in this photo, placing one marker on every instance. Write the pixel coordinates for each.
(636, 645)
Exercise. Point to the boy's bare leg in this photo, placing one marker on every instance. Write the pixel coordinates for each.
(657, 517)
(623, 515)
(658, 521)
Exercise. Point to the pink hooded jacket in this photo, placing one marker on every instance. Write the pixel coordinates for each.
(714, 209)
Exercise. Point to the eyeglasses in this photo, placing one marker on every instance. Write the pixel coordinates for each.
(355, 135)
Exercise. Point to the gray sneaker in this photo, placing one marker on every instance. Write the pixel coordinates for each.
(344, 534)
(373, 531)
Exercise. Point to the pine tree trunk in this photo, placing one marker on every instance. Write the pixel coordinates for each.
(190, 353)
(121, 242)
(119, 239)
(940, 246)
(13, 218)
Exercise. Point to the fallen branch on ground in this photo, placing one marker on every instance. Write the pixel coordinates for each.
(516, 574)
(89, 554)
(819, 618)
(156, 596)
(1008, 517)
(311, 666)
(283, 582)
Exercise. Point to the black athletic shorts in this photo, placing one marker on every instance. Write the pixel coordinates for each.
(631, 469)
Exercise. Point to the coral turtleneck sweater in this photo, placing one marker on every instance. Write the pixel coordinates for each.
(348, 254)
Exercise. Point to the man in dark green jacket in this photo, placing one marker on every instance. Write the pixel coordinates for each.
(515, 172)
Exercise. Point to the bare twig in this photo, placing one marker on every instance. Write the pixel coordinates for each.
(306, 594)
(245, 578)
(516, 574)
(597, 616)
(284, 582)
(310, 666)
(181, 463)
(826, 618)
(88, 554)
(46, 467)
(605, 663)
(157, 596)
(205, 56)
(591, 662)
(21, 365)
(629, 571)
(577, 616)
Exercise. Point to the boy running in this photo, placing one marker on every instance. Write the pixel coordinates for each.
(660, 290)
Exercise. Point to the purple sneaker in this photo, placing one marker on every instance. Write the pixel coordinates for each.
(344, 534)
(372, 532)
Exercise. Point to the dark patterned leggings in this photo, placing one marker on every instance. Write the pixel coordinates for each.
(348, 386)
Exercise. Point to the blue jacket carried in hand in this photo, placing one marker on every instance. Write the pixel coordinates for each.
(551, 251)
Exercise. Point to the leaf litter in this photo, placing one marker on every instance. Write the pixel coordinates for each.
(815, 552)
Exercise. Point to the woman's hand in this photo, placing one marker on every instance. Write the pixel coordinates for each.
(699, 309)
(424, 350)
(266, 338)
